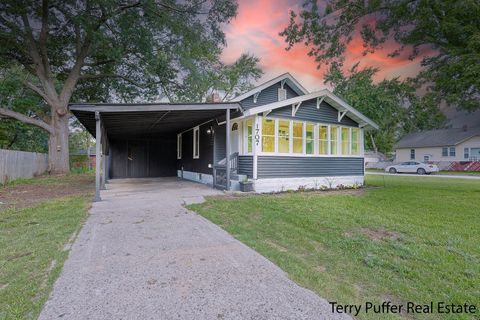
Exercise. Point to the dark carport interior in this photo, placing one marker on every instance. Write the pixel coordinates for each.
(139, 140)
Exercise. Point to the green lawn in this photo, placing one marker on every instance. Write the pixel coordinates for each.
(32, 241)
(400, 239)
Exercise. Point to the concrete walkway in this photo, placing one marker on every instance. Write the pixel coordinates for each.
(141, 255)
(449, 176)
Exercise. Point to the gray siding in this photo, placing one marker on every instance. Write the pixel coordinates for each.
(220, 145)
(308, 111)
(268, 95)
(199, 165)
(245, 165)
(290, 167)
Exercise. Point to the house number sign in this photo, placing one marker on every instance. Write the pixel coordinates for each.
(257, 135)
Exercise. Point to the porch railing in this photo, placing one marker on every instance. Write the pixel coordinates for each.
(220, 171)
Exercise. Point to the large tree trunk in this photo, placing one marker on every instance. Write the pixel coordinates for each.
(58, 151)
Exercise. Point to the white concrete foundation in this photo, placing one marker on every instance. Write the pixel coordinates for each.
(195, 176)
(286, 184)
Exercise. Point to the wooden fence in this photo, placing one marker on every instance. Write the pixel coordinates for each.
(20, 164)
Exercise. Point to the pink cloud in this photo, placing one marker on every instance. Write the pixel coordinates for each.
(256, 30)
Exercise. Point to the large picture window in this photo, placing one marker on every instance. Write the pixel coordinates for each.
(323, 139)
(310, 138)
(355, 141)
(297, 137)
(345, 141)
(196, 143)
(268, 135)
(249, 135)
(283, 136)
(334, 140)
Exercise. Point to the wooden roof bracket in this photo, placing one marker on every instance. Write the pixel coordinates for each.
(319, 101)
(295, 108)
(341, 114)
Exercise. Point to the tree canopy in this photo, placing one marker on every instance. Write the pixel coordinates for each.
(449, 29)
(392, 104)
(106, 50)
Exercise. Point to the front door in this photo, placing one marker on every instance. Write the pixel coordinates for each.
(234, 138)
(137, 159)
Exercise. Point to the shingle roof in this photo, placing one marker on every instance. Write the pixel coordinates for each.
(437, 138)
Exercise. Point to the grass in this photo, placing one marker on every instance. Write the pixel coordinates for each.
(403, 239)
(32, 247)
(460, 173)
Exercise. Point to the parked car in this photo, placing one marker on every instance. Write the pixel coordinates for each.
(412, 167)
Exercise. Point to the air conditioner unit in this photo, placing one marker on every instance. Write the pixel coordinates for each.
(282, 94)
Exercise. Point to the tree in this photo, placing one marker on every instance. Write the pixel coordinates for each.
(14, 134)
(227, 80)
(102, 50)
(451, 28)
(392, 104)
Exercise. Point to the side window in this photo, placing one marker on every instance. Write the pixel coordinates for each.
(466, 153)
(345, 141)
(249, 135)
(179, 146)
(452, 152)
(309, 136)
(323, 140)
(412, 154)
(196, 143)
(444, 152)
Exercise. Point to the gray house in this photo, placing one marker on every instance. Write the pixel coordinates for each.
(278, 135)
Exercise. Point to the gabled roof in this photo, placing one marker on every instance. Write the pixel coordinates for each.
(289, 79)
(328, 97)
(437, 138)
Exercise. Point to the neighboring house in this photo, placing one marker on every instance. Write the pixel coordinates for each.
(444, 146)
(278, 135)
(90, 152)
(376, 160)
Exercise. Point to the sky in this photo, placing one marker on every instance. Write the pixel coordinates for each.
(256, 30)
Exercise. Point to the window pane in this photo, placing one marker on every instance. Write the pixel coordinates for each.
(345, 141)
(249, 124)
(309, 144)
(355, 141)
(452, 152)
(268, 135)
(444, 152)
(412, 154)
(333, 140)
(466, 154)
(323, 139)
(297, 137)
(284, 136)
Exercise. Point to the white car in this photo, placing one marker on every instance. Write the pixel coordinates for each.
(412, 167)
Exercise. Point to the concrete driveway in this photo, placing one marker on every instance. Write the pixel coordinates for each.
(142, 255)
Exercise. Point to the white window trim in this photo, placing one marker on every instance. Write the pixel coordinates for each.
(196, 148)
(316, 140)
(179, 146)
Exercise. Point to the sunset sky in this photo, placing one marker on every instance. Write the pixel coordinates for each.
(255, 30)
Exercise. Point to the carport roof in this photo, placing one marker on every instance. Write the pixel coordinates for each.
(148, 119)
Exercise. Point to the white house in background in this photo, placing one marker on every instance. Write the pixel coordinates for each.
(440, 146)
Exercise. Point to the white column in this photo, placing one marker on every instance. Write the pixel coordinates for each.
(98, 139)
(228, 129)
(257, 143)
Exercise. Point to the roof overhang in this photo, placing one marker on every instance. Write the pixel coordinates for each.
(287, 77)
(137, 121)
(328, 97)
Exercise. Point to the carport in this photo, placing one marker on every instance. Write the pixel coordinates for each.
(139, 140)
